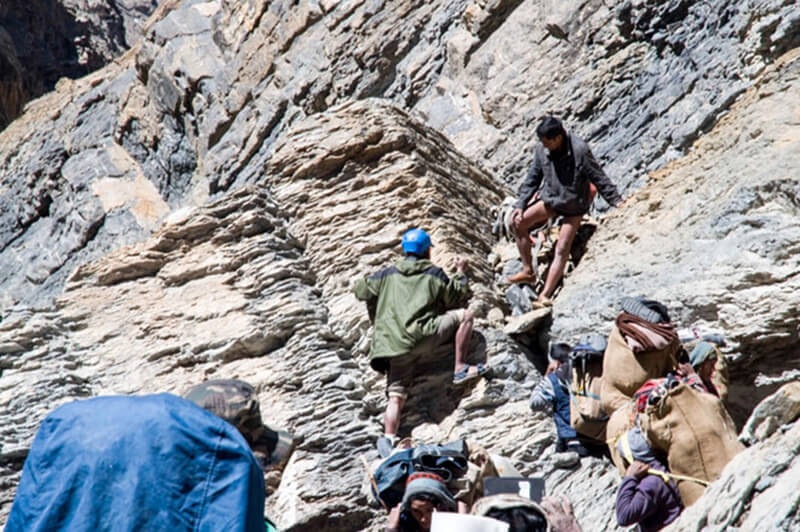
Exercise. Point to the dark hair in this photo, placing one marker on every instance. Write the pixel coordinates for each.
(560, 352)
(550, 128)
(427, 497)
(520, 519)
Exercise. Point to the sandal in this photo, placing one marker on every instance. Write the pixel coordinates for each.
(542, 304)
(464, 376)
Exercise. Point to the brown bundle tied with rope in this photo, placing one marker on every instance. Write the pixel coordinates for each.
(696, 432)
(637, 350)
(619, 422)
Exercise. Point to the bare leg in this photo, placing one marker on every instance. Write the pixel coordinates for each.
(463, 508)
(463, 336)
(569, 228)
(533, 215)
(391, 420)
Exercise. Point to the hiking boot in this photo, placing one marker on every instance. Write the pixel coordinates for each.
(566, 460)
(577, 447)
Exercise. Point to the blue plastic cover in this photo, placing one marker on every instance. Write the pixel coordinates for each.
(150, 463)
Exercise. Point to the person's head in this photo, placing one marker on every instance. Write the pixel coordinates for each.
(421, 508)
(633, 446)
(560, 352)
(703, 359)
(236, 402)
(426, 492)
(417, 243)
(551, 132)
(520, 513)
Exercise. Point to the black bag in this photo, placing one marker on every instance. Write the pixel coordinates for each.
(449, 461)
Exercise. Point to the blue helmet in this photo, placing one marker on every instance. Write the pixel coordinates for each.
(416, 241)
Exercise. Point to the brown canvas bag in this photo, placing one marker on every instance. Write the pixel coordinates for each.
(619, 422)
(624, 371)
(696, 432)
(585, 413)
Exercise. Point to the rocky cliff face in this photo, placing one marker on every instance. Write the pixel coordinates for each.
(44, 40)
(198, 207)
(714, 236)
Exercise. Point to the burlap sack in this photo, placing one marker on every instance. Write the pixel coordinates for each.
(720, 377)
(696, 432)
(585, 414)
(624, 372)
(619, 422)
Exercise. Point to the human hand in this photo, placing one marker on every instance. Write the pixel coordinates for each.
(559, 513)
(394, 517)
(461, 264)
(516, 218)
(685, 369)
(637, 469)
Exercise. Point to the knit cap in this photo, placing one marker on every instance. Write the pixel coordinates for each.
(428, 484)
(702, 352)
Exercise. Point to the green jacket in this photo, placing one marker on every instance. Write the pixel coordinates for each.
(408, 300)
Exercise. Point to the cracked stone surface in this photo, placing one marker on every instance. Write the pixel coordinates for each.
(199, 206)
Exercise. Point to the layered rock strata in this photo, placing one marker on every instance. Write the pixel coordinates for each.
(257, 286)
(201, 103)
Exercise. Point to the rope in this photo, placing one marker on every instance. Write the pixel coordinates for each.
(665, 476)
(373, 482)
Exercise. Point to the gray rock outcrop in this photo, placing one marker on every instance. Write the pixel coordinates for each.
(780, 408)
(44, 40)
(757, 490)
(199, 206)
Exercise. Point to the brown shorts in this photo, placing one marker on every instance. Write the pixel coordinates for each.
(402, 368)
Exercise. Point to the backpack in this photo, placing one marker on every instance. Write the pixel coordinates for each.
(587, 417)
(448, 461)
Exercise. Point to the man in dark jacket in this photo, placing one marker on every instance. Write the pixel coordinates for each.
(563, 168)
(413, 305)
(645, 497)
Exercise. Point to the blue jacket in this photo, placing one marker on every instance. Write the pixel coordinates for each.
(120, 463)
(551, 393)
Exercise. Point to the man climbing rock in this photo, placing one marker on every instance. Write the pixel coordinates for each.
(236, 402)
(563, 169)
(413, 305)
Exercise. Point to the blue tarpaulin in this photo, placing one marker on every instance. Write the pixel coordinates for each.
(148, 463)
